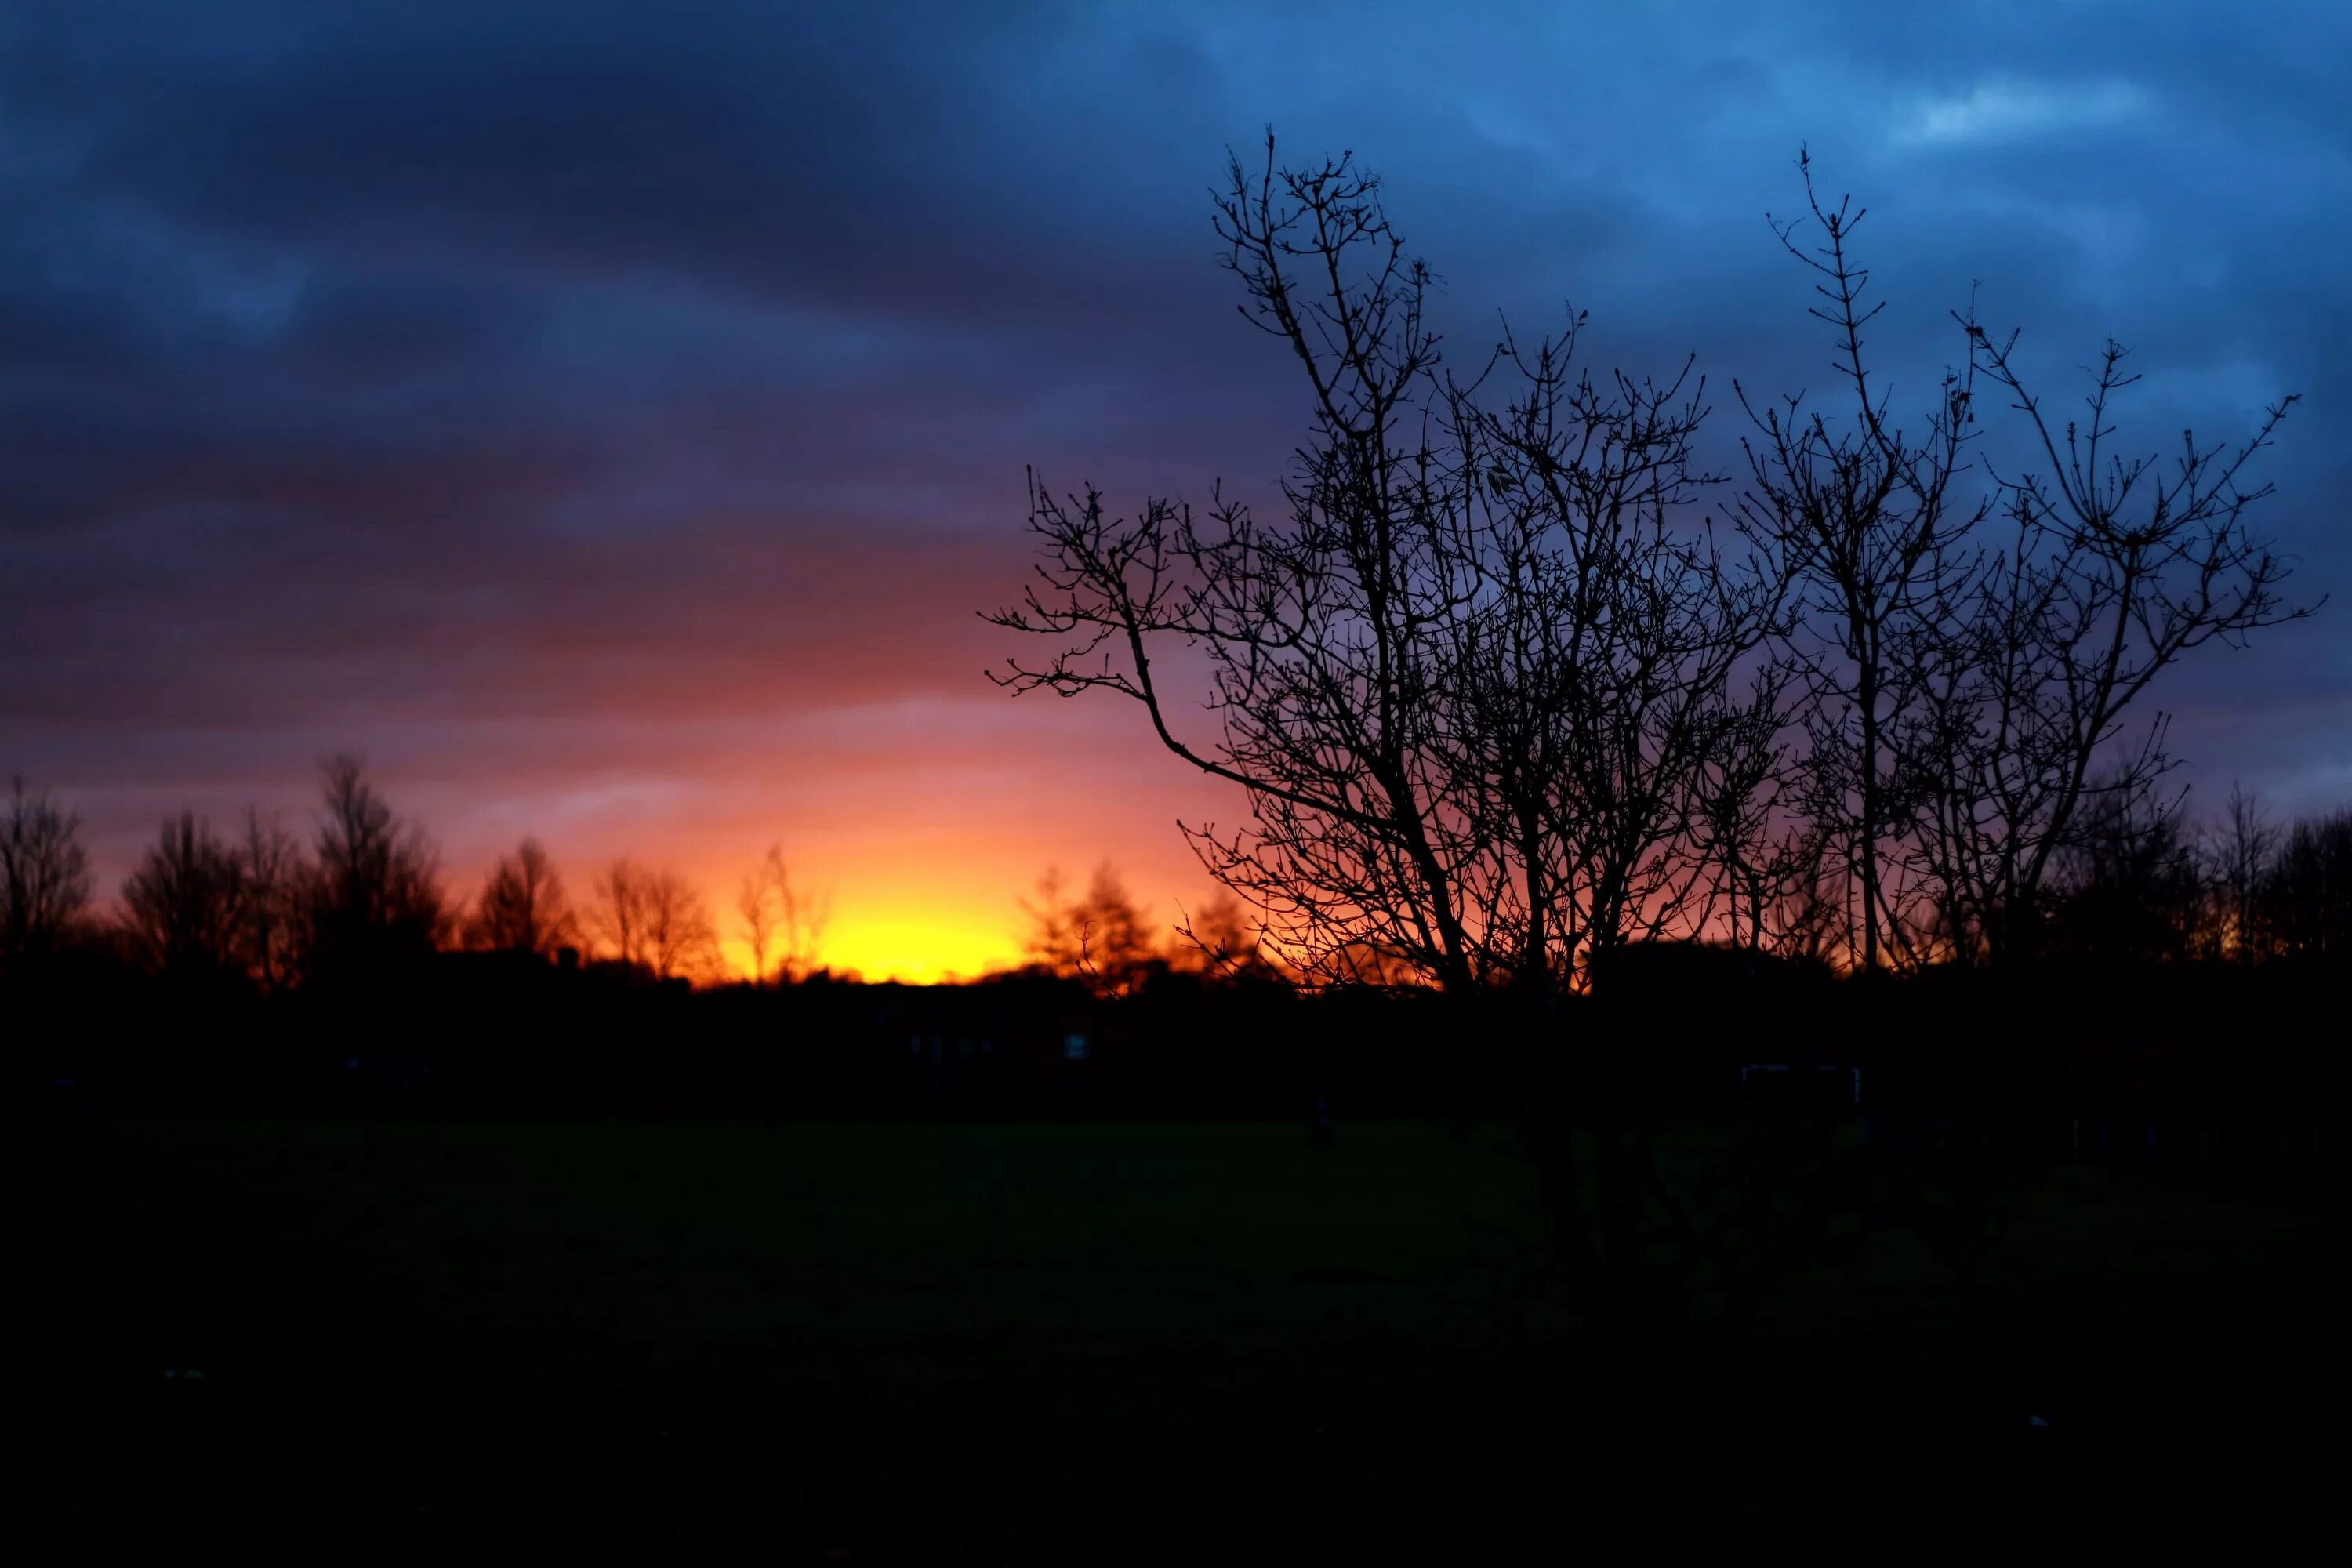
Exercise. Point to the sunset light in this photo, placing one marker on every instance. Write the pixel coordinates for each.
(920, 946)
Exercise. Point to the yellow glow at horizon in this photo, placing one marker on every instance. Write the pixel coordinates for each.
(913, 947)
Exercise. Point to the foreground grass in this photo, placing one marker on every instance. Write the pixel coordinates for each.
(862, 1254)
(998, 1341)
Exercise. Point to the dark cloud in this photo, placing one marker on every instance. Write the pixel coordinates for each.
(455, 373)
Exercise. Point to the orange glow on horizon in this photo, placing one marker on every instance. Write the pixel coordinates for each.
(926, 822)
(919, 945)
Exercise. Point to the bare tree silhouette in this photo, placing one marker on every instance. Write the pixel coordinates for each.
(779, 917)
(2130, 883)
(680, 940)
(2248, 842)
(275, 876)
(1101, 936)
(522, 906)
(655, 919)
(755, 904)
(1323, 671)
(1468, 682)
(617, 917)
(44, 881)
(1612, 724)
(1968, 653)
(1498, 702)
(185, 903)
(1868, 519)
(2305, 908)
(2116, 568)
(1053, 942)
(374, 895)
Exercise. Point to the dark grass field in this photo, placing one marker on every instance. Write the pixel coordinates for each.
(333, 1342)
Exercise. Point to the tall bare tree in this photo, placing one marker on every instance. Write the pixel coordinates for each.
(1471, 679)
(1868, 518)
(1467, 682)
(1316, 631)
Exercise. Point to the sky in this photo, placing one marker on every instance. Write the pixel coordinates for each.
(609, 419)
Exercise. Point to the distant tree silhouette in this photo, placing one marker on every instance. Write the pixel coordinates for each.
(373, 897)
(44, 882)
(1220, 940)
(680, 940)
(779, 919)
(656, 921)
(2130, 884)
(755, 904)
(522, 906)
(617, 916)
(185, 903)
(1121, 946)
(1052, 944)
(1102, 937)
(276, 880)
(2242, 865)
(2306, 891)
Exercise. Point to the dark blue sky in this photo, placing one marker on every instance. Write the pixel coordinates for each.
(609, 417)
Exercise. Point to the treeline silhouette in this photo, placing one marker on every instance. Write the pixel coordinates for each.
(265, 973)
(363, 898)
(2189, 1018)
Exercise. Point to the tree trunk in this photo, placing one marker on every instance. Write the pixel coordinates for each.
(1600, 1250)
(1869, 855)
